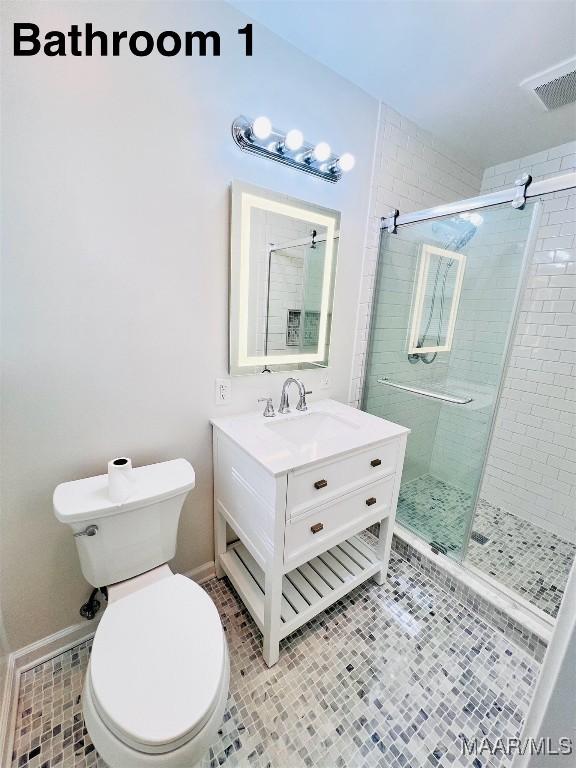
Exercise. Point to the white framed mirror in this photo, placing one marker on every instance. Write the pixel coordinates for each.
(436, 299)
(282, 271)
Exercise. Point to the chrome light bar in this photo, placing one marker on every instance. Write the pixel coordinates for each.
(272, 143)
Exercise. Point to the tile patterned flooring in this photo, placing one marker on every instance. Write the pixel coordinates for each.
(517, 553)
(435, 510)
(389, 676)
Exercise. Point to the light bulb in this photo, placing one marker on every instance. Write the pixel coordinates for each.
(294, 139)
(322, 151)
(346, 162)
(262, 127)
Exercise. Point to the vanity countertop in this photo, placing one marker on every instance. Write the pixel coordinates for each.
(286, 442)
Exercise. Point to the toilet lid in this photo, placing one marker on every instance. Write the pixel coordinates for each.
(157, 664)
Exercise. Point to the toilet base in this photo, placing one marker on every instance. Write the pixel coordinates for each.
(119, 755)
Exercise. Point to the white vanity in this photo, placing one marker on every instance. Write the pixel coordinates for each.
(296, 490)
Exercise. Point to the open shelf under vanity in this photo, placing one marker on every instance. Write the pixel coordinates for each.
(306, 590)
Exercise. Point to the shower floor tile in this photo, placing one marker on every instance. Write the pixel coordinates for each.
(389, 676)
(436, 511)
(517, 553)
(523, 556)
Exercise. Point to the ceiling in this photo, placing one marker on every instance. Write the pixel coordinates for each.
(452, 66)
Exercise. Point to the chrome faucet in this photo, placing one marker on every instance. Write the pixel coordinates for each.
(285, 405)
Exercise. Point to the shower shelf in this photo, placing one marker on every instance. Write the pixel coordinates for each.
(427, 393)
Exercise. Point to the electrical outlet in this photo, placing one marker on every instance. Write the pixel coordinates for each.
(223, 391)
(324, 381)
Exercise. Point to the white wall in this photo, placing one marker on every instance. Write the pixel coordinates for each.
(115, 243)
(552, 714)
(531, 468)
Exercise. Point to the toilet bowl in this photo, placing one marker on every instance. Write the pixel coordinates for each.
(157, 680)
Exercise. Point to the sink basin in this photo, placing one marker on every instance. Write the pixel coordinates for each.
(307, 428)
(291, 441)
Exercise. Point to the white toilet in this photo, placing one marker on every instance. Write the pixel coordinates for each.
(157, 680)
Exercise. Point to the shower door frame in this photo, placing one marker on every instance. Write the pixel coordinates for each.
(512, 194)
(389, 225)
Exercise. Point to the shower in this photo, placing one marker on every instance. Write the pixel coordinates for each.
(447, 291)
(449, 405)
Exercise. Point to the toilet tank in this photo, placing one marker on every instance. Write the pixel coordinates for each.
(133, 536)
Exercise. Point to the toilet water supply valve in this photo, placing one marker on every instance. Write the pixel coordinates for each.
(92, 605)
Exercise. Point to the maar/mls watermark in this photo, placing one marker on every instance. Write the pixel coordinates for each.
(515, 746)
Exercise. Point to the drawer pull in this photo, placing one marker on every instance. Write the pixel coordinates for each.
(320, 484)
(370, 501)
(375, 463)
(317, 528)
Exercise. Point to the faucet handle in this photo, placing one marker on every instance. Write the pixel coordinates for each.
(302, 404)
(269, 409)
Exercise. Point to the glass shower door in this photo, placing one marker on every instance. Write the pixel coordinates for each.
(444, 306)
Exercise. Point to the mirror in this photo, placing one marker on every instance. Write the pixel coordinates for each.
(436, 299)
(283, 263)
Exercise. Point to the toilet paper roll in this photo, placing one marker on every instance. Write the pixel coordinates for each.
(120, 482)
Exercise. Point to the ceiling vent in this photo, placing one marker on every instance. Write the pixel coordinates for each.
(555, 87)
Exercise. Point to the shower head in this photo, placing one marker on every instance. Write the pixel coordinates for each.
(456, 232)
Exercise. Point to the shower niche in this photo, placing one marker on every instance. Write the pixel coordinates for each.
(282, 271)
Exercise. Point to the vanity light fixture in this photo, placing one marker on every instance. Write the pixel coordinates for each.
(261, 128)
(346, 162)
(261, 138)
(294, 139)
(322, 151)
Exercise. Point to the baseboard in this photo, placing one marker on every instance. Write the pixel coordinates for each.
(46, 648)
(26, 658)
(8, 712)
(203, 573)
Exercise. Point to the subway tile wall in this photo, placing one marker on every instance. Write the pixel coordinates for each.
(412, 170)
(531, 469)
(494, 258)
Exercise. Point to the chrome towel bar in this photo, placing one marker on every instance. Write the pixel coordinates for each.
(426, 393)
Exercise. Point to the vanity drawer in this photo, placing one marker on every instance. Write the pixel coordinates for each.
(312, 486)
(330, 523)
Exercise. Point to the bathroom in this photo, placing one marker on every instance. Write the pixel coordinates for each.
(128, 321)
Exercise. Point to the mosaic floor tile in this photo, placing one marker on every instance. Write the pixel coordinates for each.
(523, 556)
(435, 510)
(517, 553)
(389, 676)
